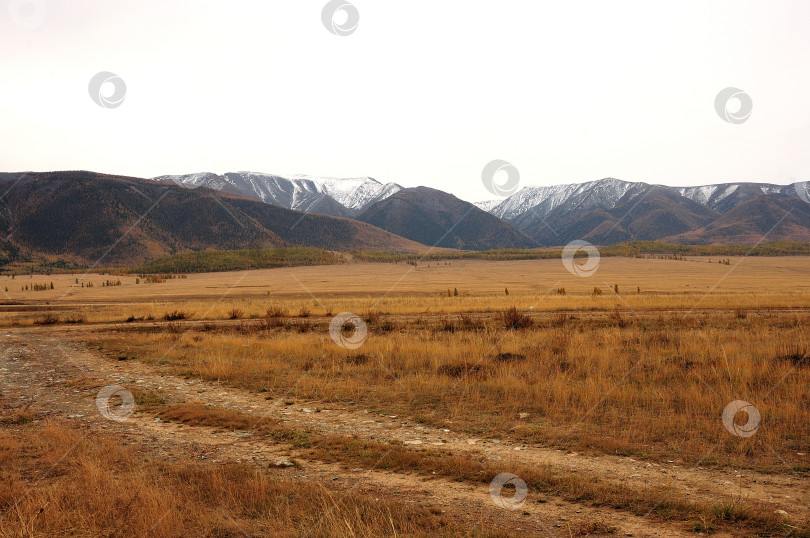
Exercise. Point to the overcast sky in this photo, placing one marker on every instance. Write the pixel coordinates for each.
(420, 93)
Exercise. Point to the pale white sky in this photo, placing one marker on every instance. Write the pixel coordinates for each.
(422, 93)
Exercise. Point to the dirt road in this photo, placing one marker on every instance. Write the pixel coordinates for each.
(39, 370)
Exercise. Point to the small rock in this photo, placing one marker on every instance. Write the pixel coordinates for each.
(283, 463)
(158, 419)
(413, 442)
(781, 512)
(523, 415)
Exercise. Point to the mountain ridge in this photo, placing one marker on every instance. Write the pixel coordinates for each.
(433, 217)
(88, 217)
(554, 214)
(339, 197)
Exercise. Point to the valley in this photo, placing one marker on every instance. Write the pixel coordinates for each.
(608, 407)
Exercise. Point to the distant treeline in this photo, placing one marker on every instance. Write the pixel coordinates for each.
(629, 249)
(234, 260)
(498, 254)
(772, 248)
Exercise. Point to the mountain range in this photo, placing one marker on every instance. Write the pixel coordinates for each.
(92, 218)
(611, 211)
(603, 211)
(324, 195)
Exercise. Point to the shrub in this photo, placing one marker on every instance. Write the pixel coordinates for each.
(732, 510)
(470, 323)
(460, 370)
(509, 357)
(235, 313)
(304, 312)
(514, 320)
(276, 312)
(795, 354)
(357, 360)
(373, 316)
(177, 314)
(597, 291)
(48, 319)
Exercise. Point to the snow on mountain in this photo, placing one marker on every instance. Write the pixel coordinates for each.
(331, 196)
(606, 193)
(487, 205)
(602, 193)
(701, 194)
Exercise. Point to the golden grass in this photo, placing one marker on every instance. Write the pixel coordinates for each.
(404, 289)
(54, 481)
(659, 501)
(645, 372)
(650, 386)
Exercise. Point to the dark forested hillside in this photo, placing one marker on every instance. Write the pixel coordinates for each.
(92, 218)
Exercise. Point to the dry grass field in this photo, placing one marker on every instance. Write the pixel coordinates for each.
(254, 413)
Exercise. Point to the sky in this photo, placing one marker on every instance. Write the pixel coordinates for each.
(418, 92)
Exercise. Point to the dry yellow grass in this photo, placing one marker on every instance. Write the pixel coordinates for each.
(404, 289)
(645, 372)
(637, 373)
(56, 482)
(651, 386)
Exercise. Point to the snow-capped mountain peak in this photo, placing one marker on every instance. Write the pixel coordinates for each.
(328, 195)
(603, 192)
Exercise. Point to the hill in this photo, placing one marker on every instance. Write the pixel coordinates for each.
(91, 218)
(433, 217)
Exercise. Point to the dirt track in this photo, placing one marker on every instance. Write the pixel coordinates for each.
(36, 367)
